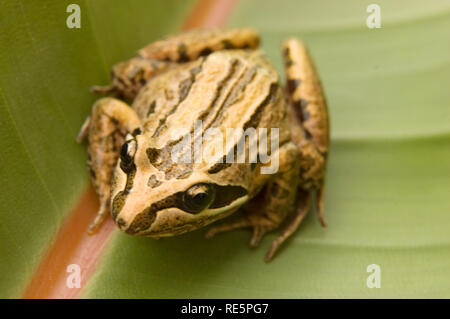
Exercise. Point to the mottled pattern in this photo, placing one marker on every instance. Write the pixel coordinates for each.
(127, 78)
(185, 90)
(310, 111)
(153, 181)
(190, 45)
(305, 93)
(119, 199)
(106, 128)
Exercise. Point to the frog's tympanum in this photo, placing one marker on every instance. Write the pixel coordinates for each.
(178, 89)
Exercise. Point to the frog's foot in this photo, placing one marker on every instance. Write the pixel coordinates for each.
(99, 219)
(302, 210)
(319, 206)
(105, 89)
(260, 227)
(268, 210)
(84, 130)
(106, 128)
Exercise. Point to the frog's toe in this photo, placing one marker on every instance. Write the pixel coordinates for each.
(271, 252)
(102, 89)
(299, 215)
(258, 230)
(240, 223)
(84, 130)
(319, 205)
(99, 219)
(258, 234)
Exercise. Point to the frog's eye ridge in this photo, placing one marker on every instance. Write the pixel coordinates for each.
(198, 197)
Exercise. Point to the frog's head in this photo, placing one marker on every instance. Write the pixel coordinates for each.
(153, 196)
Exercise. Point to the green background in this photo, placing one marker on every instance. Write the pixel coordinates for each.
(387, 199)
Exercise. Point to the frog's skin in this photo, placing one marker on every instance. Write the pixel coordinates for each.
(221, 78)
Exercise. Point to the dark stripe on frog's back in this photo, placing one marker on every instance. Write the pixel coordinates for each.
(184, 88)
(226, 95)
(233, 95)
(154, 101)
(254, 64)
(215, 112)
(219, 101)
(183, 170)
(254, 122)
(222, 91)
(233, 64)
(256, 116)
(273, 92)
(151, 108)
(212, 115)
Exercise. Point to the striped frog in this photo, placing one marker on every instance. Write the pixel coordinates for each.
(144, 156)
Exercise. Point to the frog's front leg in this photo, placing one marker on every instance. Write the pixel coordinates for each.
(270, 207)
(310, 121)
(106, 129)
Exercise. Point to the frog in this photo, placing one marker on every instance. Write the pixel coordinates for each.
(138, 138)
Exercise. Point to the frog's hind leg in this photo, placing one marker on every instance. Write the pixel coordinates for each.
(110, 121)
(188, 46)
(302, 211)
(270, 207)
(310, 128)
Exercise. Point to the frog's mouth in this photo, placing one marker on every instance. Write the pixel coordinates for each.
(174, 221)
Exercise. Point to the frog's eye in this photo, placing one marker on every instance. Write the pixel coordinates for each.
(127, 152)
(198, 197)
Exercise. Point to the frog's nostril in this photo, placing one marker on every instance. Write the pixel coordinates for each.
(121, 223)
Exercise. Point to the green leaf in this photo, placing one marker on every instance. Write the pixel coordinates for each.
(388, 178)
(46, 71)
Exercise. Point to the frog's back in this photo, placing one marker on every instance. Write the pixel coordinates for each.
(226, 89)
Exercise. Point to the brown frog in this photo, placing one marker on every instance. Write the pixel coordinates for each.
(209, 131)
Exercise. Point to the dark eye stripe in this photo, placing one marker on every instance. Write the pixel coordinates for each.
(225, 196)
(119, 200)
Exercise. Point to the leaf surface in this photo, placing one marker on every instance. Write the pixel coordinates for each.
(388, 178)
(46, 72)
